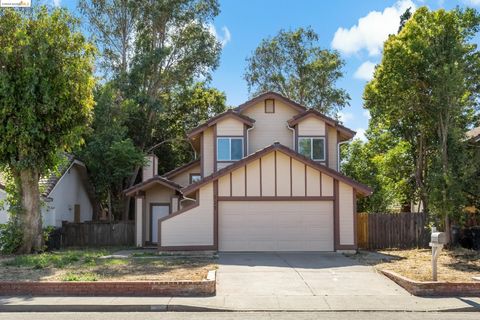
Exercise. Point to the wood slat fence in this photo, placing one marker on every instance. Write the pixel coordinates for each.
(392, 230)
(97, 234)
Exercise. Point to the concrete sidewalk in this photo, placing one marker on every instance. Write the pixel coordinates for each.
(238, 303)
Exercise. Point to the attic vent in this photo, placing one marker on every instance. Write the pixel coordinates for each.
(269, 105)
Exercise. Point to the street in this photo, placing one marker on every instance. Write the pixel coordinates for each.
(244, 315)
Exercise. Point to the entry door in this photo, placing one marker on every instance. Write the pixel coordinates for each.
(158, 211)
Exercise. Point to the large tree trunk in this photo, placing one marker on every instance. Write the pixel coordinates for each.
(30, 217)
(131, 182)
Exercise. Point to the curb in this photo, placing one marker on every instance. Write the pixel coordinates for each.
(186, 308)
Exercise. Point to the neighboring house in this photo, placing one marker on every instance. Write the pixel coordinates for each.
(66, 195)
(266, 180)
(3, 203)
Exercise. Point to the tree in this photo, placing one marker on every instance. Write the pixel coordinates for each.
(293, 64)
(108, 153)
(425, 91)
(171, 47)
(46, 98)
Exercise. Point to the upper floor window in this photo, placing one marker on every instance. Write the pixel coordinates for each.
(312, 147)
(269, 106)
(229, 149)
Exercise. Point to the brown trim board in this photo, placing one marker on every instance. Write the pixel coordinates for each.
(278, 198)
(361, 188)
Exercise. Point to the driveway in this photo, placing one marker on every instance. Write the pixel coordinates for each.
(299, 274)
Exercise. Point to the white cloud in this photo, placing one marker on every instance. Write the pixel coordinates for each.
(472, 2)
(365, 71)
(345, 116)
(57, 3)
(371, 30)
(222, 38)
(360, 134)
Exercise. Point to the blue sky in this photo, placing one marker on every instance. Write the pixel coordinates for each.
(355, 28)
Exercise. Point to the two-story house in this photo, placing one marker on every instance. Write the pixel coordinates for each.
(266, 179)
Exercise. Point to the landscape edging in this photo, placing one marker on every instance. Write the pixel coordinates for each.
(434, 288)
(187, 288)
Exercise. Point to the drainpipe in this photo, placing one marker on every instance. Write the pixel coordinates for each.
(293, 131)
(338, 152)
(248, 140)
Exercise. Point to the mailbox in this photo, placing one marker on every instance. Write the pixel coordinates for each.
(438, 238)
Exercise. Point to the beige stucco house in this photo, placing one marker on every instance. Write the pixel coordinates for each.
(266, 179)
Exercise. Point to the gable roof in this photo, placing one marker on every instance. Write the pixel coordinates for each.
(270, 95)
(361, 188)
(314, 113)
(149, 182)
(210, 122)
(48, 183)
(172, 173)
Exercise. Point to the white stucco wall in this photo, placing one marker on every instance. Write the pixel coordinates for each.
(68, 191)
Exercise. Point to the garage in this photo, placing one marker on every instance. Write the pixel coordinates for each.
(275, 226)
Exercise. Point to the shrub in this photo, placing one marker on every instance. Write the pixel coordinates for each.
(10, 237)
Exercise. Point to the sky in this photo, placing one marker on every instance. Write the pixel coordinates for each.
(356, 29)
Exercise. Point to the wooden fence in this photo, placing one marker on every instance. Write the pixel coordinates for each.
(97, 234)
(392, 230)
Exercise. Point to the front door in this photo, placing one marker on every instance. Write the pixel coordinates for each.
(157, 211)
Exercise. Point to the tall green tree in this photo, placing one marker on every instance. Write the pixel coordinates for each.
(159, 48)
(46, 98)
(109, 153)
(425, 91)
(293, 64)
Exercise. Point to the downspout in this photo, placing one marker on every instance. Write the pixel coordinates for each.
(248, 140)
(338, 151)
(294, 138)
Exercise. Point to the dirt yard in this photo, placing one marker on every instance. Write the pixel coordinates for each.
(458, 265)
(100, 265)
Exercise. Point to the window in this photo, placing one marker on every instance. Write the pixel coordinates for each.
(269, 106)
(194, 177)
(229, 149)
(313, 148)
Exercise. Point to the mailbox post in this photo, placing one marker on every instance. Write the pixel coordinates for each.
(437, 240)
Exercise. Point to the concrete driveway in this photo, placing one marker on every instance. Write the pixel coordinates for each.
(299, 274)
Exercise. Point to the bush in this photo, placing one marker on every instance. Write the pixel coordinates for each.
(10, 237)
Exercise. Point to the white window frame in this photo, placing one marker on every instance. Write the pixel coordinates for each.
(311, 147)
(230, 148)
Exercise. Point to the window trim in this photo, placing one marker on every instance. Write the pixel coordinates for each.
(194, 174)
(311, 146)
(273, 102)
(230, 143)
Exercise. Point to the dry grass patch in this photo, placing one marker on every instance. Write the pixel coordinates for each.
(457, 265)
(88, 265)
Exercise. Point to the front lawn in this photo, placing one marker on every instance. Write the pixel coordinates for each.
(457, 265)
(100, 265)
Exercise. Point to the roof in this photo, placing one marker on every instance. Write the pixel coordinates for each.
(270, 95)
(314, 113)
(210, 122)
(181, 169)
(149, 182)
(474, 134)
(48, 183)
(361, 188)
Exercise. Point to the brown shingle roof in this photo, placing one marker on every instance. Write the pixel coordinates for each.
(361, 188)
(177, 171)
(312, 112)
(154, 180)
(210, 122)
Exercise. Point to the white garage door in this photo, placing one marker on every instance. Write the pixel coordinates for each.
(275, 226)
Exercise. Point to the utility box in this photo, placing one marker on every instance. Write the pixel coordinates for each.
(438, 238)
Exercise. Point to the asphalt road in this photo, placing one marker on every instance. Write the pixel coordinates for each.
(244, 316)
